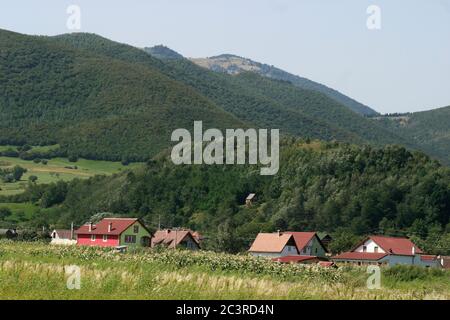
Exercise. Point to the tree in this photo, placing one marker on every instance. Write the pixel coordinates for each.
(4, 212)
(125, 161)
(343, 240)
(18, 172)
(73, 158)
(33, 179)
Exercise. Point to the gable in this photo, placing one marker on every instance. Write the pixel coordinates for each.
(142, 230)
(370, 246)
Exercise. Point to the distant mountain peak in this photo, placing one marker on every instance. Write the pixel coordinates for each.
(234, 64)
(163, 53)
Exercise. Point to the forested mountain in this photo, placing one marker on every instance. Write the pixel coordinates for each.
(295, 111)
(93, 105)
(430, 130)
(344, 189)
(100, 99)
(233, 64)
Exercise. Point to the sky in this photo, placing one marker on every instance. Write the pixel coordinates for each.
(402, 66)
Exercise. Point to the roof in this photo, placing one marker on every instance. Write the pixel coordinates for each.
(428, 257)
(270, 242)
(321, 235)
(250, 196)
(294, 259)
(172, 238)
(119, 225)
(302, 238)
(360, 256)
(399, 246)
(63, 233)
(326, 263)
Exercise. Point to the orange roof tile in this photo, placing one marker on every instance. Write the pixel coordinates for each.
(270, 242)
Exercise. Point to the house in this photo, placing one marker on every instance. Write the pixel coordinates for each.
(282, 244)
(198, 236)
(8, 233)
(325, 238)
(114, 232)
(63, 237)
(175, 238)
(251, 198)
(384, 250)
(309, 244)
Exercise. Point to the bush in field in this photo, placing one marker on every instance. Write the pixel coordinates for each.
(73, 158)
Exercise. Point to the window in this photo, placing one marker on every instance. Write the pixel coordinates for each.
(130, 239)
(364, 249)
(375, 249)
(92, 237)
(136, 229)
(105, 237)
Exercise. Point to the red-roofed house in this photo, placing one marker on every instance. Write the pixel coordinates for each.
(282, 244)
(176, 239)
(386, 251)
(113, 232)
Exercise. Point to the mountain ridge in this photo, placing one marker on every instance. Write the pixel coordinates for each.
(235, 64)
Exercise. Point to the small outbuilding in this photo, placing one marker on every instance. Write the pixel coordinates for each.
(63, 237)
(250, 200)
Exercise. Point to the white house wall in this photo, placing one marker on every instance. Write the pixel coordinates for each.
(287, 251)
(370, 244)
(66, 242)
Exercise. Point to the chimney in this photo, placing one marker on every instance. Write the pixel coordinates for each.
(110, 227)
(279, 233)
(413, 250)
(90, 226)
(71, 231)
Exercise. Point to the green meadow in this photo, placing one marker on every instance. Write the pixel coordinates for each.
(56, 169)
(38, 271)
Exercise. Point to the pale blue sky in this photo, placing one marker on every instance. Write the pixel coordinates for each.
(405, 66)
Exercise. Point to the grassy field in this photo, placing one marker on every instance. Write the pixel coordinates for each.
(37, 271)
(56, 169)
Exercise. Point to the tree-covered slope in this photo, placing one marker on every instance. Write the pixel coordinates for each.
(339, 188)
(234, 65)
(92, 105)
(253, 98)
(430, 130)
(245, 103)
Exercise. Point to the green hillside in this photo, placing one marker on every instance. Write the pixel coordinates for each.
(314, 115)
(430, 130)
(344, 189)
(93, 106)
(233, 64)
